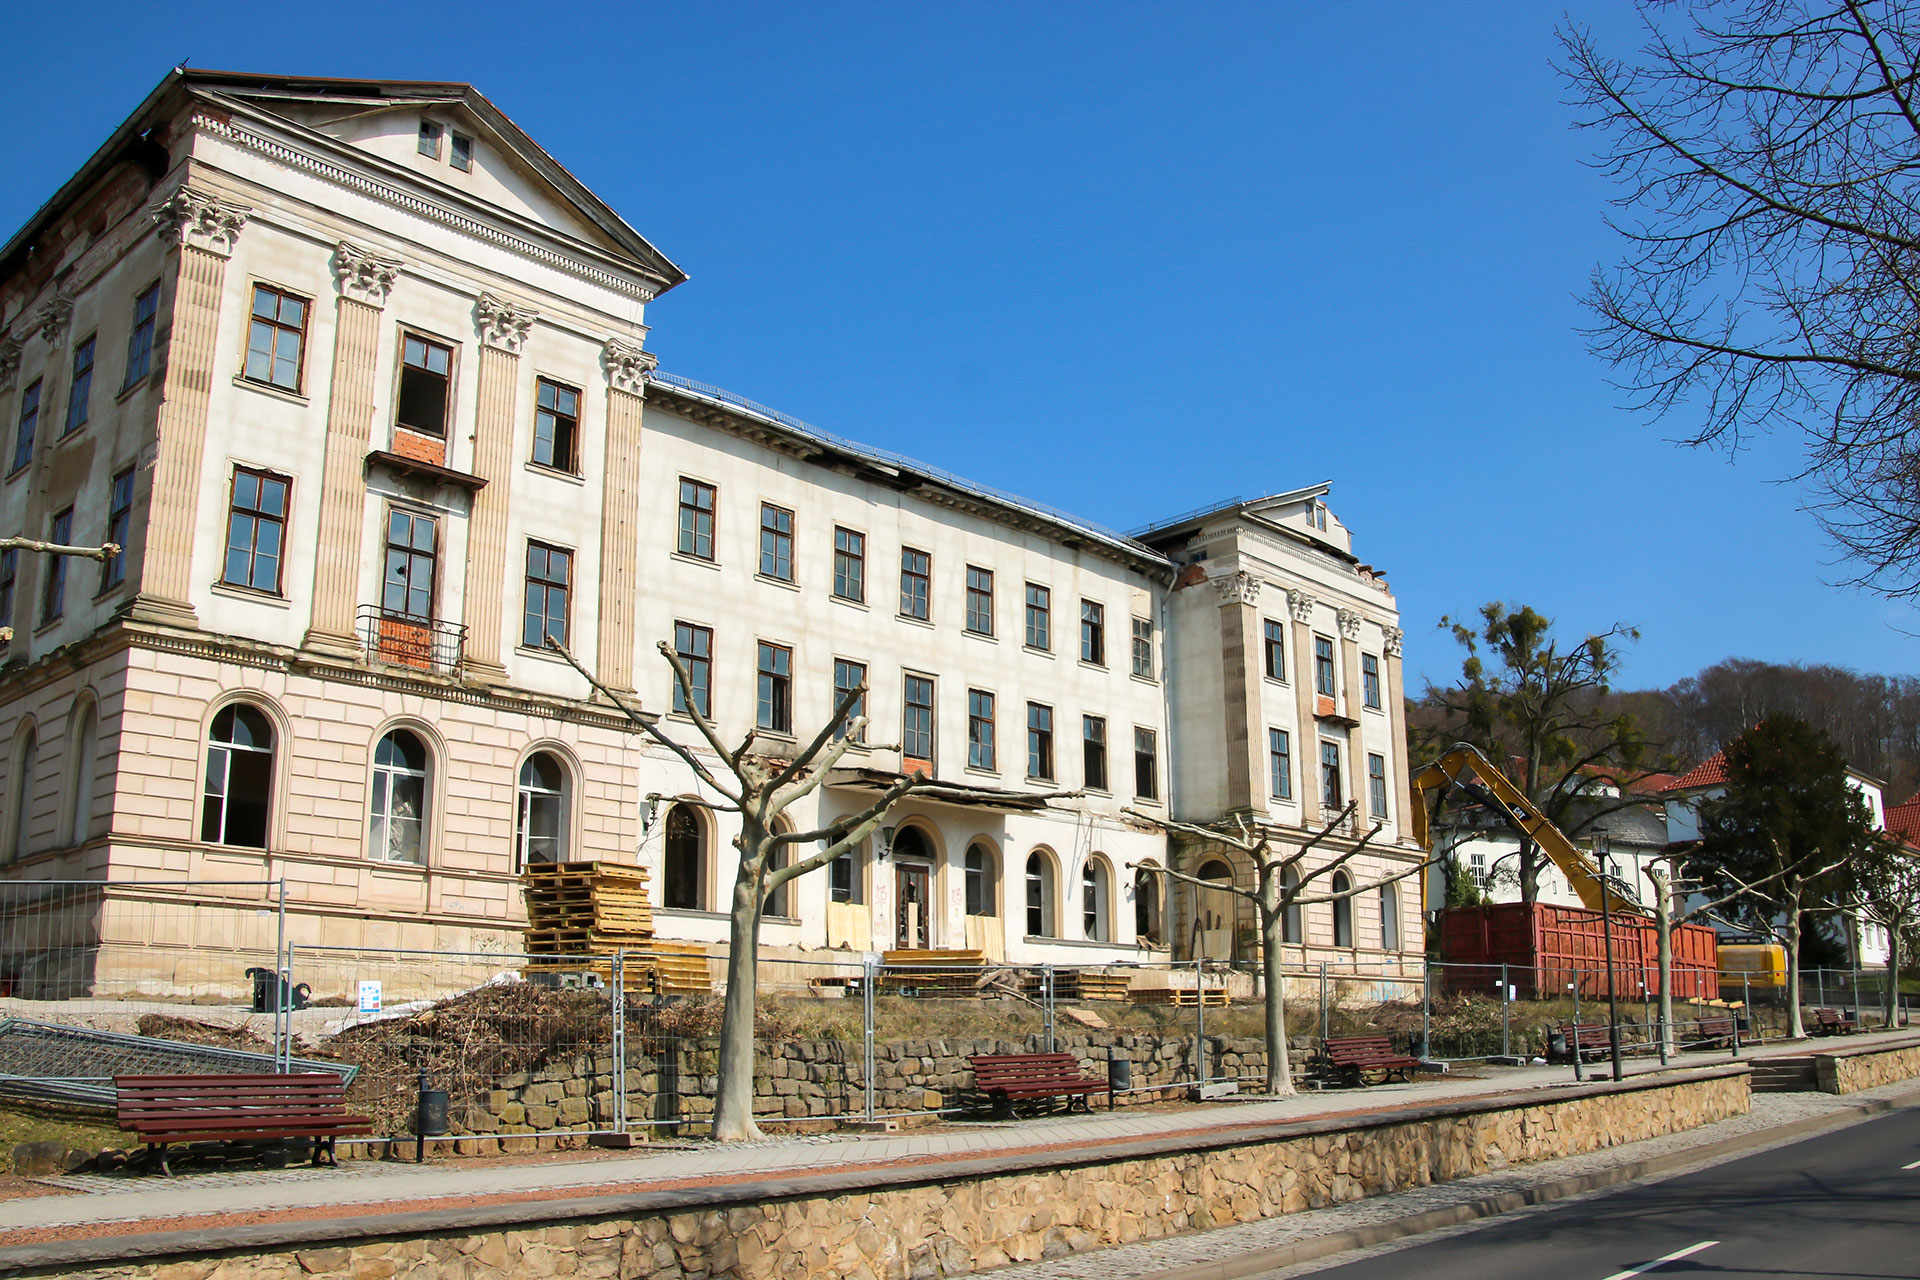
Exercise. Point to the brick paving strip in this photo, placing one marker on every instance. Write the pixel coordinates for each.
(157, 1216)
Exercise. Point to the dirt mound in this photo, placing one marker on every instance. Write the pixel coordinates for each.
(162, 1026)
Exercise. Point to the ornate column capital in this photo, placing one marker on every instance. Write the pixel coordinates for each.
(503, 324)
(52, 318)
(193, 217)
(9, 362)
(628, 364)
(1350, 620)
(1238, 587)
(1301, 604)
(1393, 642)
(363, 277)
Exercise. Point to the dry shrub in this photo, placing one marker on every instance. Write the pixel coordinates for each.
(161, 1026)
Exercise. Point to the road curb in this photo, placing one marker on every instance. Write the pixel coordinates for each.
(1259, 1261)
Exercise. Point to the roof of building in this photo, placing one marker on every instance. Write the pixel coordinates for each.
(1903, 819)
(243, 89)
(1711, 772)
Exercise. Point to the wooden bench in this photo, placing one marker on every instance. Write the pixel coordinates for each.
(165, 1110)
(1005, 1079)
(1834, 1022)
(1589, 1041)
(1362, 1060)
(1718, 1031)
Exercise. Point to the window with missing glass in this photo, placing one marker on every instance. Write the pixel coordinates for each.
(80, 390)
(849, 565)
(979, 600)
(693, 645)
(776, 542)
(916, 584)
(426, 381)
(256, 531)
(549, 589)
(1039, 741)
(429, 142)
(556, 426)
(697, 500)
(460, 155)
(1093, 633)
(843, 879)
(774, 703)
(1146, 764)
(276, 338)
(980, 734)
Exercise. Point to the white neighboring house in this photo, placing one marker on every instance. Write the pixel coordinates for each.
(1707, 780)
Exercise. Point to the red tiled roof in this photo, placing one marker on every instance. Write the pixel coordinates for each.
(1710, 772)
(1903, 820)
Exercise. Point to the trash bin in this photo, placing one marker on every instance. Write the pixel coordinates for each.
(270, 991)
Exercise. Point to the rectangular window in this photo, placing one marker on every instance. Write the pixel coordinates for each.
(256, 534)
(1146, 764)
(1377, 784)
(426, 375)
(412, 563)
(1370, 680)
(916, 584)
(1039, 741)
(1323, 666)
(849, 565)
(980, 750)
(916, 722)
(460, 156)
(776, 542)
(146, 308)
(549, 578)
(1093, 633)
(980, 601)
(54, 603)
(1093, 752)
(843, 879)
(1143, 647)
(848, 676)
(1039, 617)
(276, 337)
(1273, 648)
(1280, 764)
(1331, 792)
(119, 529)
(9, 571)
(774, 705)
(82, 389)
(29, 424)
(556, 426)
(694, 647)
(696, 519)
(429, 143)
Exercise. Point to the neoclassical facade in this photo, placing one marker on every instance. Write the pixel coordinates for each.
(357, 376)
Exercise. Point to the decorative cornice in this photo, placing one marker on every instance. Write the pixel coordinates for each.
(52, 318)
(628, 364)
(1350, 621)
(1395, 636)
(503, 324)
(9, 362)
(193, 217)
(363, 277)
(1301, 604)
(1238, 587)
(235, 131)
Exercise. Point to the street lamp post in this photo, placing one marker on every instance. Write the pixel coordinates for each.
(1602, 847)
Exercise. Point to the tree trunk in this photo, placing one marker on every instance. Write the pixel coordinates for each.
(1796, 1027)
(733, 1100)
(1663, 921)
(1279, 1072)
(1529, 871)
(1893, 978)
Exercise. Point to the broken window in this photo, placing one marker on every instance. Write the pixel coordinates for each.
(426, 373)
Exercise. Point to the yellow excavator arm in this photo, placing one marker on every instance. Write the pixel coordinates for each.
(1464, 766)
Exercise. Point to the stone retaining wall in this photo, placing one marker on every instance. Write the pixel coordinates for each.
(916, 1224)
(1850, 1070)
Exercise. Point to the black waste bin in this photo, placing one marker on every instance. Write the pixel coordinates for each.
(270, 991)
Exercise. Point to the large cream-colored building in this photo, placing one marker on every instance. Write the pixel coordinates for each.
(357, 375)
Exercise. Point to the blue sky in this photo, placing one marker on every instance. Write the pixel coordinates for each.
(1125, 259)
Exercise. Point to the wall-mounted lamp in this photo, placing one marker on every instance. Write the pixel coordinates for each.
(649, 810)
(886, 841)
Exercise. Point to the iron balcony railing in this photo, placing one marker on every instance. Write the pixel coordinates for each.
(400, 640)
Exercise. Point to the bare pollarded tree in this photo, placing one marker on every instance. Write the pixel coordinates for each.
(759, 788)
(1276, 893)
(1767, 154)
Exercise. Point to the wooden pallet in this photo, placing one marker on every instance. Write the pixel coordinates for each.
(1179, 997)
(1071, 984)
(931, 973)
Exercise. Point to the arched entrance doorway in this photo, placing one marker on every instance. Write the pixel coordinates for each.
(912, 890)
(1214, 919)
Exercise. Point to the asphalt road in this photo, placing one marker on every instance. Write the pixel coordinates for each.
(1843, 1205)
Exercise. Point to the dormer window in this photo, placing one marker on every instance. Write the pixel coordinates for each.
(1317, 516)
(460, 154)
(430, 139)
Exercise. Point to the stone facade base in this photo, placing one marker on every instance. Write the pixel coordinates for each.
(1869, 1066)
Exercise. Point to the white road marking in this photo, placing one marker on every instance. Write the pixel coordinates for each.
(1675, 1256)
(1914, 1165)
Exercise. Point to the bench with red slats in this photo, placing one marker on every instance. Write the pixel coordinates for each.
(1835, 1022)
(1364, 1060)
(1008, 1078)
(166, 1110)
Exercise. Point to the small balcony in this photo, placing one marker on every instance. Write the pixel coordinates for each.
(424, 644)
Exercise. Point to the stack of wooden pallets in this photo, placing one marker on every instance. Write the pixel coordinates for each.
(1180, 997)
(918, 972)
(578, 912)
